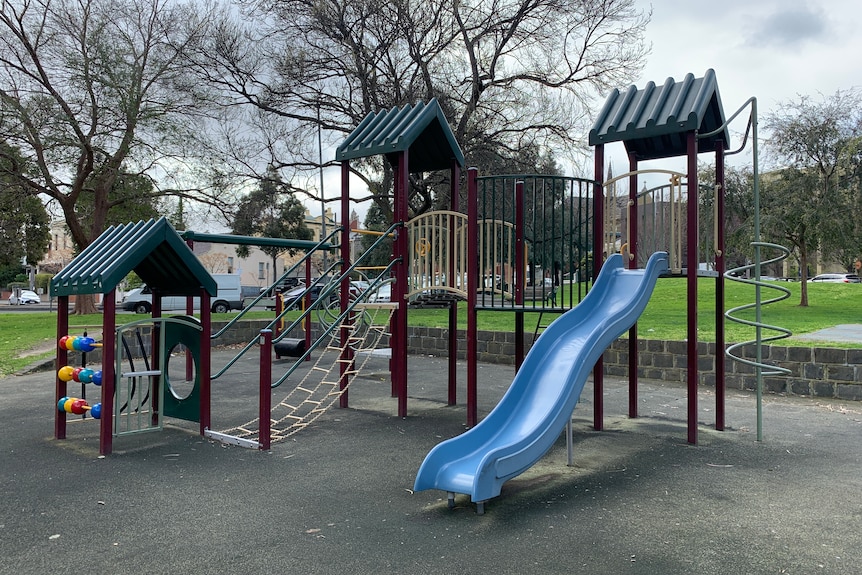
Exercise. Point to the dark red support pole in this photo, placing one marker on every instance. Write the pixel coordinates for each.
(455, 200)
(520, 268)
(632, 239)
(399, 336)
(347, 353)
(598, 260)
(60, 387)
(157, 351)
(265, 389)
(206, 362)
(346, 363)
(691, 281)
(109, 327)
(720, 267)
(472, 289)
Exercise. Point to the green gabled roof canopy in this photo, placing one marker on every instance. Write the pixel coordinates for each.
(653, 122)
(152, 249)
(420, 130)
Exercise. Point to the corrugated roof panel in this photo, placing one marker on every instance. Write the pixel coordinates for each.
(152, 248)
(420, 130)
(652, 122)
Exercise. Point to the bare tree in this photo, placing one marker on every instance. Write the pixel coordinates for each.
(88, 95)
(509, 74)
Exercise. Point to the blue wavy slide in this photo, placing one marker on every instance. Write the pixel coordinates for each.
(535, 409)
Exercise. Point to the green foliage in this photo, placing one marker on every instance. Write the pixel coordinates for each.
(376, 221)
(24, 223)
(42, 281)
(814, 201)
(133, 281)
(271, 211)
(8, 274)
(178, 217)
(738, 216)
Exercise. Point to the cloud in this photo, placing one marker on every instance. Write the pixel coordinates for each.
(788, 27)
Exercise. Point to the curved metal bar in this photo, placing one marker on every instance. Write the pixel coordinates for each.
(761, 368)
(321, 245)
(315, 305)
(730, 314)
(335, 325)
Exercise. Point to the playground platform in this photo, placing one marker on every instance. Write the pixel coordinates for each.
(337, 497)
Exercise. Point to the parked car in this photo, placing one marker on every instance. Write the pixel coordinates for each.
(382, 294)
(140, 300)
(837, 278)
(292, 298)
(27, 296)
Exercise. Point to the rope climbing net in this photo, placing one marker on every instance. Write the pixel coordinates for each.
(319, 388)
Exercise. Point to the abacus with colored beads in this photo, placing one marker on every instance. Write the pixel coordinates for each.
(80, 374)
(79, 406)
(78, 343)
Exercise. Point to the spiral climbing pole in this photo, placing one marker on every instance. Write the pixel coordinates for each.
(761, 368)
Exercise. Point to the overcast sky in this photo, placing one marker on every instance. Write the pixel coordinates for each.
(774, 50)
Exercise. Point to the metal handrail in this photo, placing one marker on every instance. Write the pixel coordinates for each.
(324, 294)
(321, 245)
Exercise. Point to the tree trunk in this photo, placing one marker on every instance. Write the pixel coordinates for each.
(85, 304)
(803, 276)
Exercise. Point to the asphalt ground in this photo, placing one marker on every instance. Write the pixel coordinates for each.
(337, 497)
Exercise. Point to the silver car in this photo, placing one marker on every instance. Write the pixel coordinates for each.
(837, 278)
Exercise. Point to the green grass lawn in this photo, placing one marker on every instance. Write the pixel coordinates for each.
(26, 337)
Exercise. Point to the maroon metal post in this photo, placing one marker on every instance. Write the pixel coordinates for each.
(206, 363)
(264, 438)
(399, 335)
(346, 363)
(632, 240)
(60, 387)
(455, 200)
(691, 281)
(156, 364)
(598, 260)
(346, 355)
(109, 327)
(720, 267)
(520, 268)
(472, 289)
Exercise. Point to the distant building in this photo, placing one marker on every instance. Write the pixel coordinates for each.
(255, 270)
(61, 249)
(319, 225)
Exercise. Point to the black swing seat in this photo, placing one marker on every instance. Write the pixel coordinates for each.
(289, 347)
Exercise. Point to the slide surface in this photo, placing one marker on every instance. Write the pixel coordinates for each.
(535, 409)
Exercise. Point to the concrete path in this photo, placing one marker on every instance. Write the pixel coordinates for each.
(848, 332)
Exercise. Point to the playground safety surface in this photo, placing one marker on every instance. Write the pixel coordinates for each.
(337, 497)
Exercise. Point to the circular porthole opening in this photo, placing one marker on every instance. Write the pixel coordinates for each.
(181, 372)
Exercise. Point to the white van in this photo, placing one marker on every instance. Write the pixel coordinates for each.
(229, 297)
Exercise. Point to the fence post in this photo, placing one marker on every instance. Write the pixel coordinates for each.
(265, 342)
